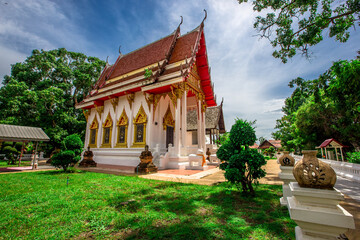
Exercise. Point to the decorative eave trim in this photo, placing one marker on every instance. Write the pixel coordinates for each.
(115, 91)
(162, 84)
(84, 104)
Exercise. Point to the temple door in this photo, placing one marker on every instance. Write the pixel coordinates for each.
(169, 136)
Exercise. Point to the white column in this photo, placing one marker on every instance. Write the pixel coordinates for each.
(100, 128)
(131, 126)
(150, 123)
(199, 127)
(337, 158)
(87, 132)
(342, 156)
(177, 127)
(203, 132)
(326, 155)
(183, 121)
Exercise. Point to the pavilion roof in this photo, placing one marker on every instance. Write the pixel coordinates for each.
(275, 143)
(327, 142)
(22, 133)
(170, 59)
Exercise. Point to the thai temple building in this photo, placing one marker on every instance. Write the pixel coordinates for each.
(160, 95)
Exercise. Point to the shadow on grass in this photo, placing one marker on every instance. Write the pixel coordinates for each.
(202, 213)
(60, 172)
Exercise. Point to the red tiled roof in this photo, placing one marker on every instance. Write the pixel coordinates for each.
(150, 54)
(328, 141)
(255, 146)
(275, 143)
(183, 47)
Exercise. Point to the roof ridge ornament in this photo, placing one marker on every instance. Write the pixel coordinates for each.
(121, 55)
(205, 15)
(181, 21)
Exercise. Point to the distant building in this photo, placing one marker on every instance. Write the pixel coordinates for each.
(159, 95)
(270, 143)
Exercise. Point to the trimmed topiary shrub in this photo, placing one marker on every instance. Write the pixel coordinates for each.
(70, 154)
(242, 165)
(11, 154)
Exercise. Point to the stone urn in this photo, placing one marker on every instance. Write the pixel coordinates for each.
(88, 160)
(311, 173)
(286, 160)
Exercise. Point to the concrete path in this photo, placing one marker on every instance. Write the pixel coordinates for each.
(25, 169)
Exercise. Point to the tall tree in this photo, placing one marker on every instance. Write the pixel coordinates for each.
(42, 92)
(300, 24)
(327, 107)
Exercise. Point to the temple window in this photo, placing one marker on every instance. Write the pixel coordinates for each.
(93, 133)
(140, 128)
(107, 130)
(122, 130)
(169, 126)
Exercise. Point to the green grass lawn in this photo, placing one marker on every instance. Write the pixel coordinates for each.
(4, 164)
(40, 205)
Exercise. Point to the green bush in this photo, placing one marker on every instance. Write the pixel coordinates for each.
(11, 154)
(70, 154)
(73, 142)
(242, 165)
(354, 157)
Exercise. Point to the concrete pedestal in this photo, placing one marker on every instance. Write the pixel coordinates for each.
(318, 213)
(196, 163)
(286, 175)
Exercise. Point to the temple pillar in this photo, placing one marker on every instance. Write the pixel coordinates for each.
(177, 127)
(199, 123)
(183, 120)
(203, 132)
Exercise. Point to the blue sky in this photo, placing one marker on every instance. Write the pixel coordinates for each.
(252, 82)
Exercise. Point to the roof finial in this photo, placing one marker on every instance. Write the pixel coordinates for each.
(205, 15)
(107, 58)
(181, 21)
(120, 51)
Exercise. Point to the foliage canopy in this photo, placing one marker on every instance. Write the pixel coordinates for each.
(300, 24)
(42, 92)
(326, 107)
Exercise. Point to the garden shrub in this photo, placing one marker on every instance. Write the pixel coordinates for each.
(11, 154)
(70, 154)
(242, 165)
(354, 157)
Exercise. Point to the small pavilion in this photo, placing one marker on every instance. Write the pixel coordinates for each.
(14, 133)
(332, 143)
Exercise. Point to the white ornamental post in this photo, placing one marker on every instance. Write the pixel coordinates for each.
(286, 175)
(314, 204)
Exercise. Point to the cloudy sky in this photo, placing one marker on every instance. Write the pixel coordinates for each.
(252, 83)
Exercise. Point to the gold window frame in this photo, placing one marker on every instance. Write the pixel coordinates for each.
(94, 125)
(141, 118)
(108, 123)
(123, 121)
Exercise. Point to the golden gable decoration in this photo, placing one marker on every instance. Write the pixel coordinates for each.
(94, 124)
(108, 121)
(168, 119)
(114, 102)
(86, 114)
(140, 116)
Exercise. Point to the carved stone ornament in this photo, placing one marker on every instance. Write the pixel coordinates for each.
(312, 173)
(286, 159)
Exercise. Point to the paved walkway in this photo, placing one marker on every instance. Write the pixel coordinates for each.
(25, 169)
